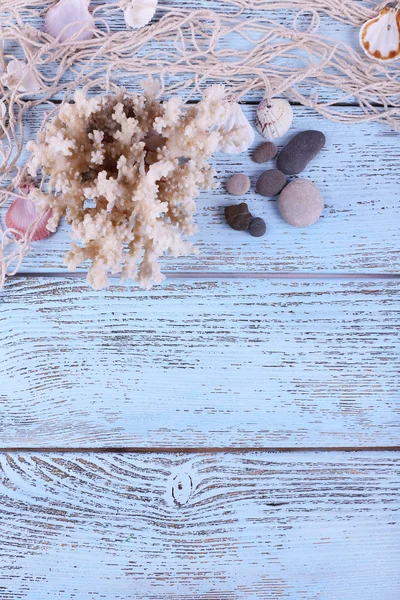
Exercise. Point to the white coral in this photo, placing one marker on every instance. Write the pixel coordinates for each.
(128, 205)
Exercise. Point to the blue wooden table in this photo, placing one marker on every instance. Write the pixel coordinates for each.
(231, 434)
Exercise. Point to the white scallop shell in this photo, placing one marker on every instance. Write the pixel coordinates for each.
(274, 118)
(69, 17)
(20, 75)
(138, 13)
(380, 37)
(237, 118)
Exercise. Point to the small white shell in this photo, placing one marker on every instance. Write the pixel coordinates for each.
(20, 75)
(138, 13)
(274, 118)
(68, 17)
(237, 118)
(380, 37)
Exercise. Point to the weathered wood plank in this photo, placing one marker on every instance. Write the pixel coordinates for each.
(217, 363)
(316, 526)
(357, 173)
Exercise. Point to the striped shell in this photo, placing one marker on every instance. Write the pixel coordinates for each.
(274, 117)
(380, 37)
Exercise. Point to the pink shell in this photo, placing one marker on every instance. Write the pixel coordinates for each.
(68, 17)
(20, 216)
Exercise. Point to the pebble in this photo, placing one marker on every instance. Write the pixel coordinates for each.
(257, 227)
(301, 203)
(238, 216)
(301, 149)
(238, 184)
(265, 152)
(271, 182)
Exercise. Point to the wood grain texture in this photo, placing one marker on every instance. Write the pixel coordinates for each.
(357, 174)
(253, 363)
(318, 526)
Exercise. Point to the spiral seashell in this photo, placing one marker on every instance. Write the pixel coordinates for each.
(69, 17)
(380, 37)
(138, 13)
(274, 118)
(237, 118)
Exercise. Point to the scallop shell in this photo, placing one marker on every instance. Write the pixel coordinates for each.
(21, 76)
(274, 118)
(237, 118)
(138, 13)
(68, 17)
(380, 37)
(22, 215)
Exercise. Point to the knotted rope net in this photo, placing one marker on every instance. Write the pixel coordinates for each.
(249, 45)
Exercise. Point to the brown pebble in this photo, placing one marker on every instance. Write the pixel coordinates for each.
(257, 227)
(271, 182)
(301, 203)
(238, 216)
(238, 184)
(265, 152)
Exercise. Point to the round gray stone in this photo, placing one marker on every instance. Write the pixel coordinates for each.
(271, 182)
(257, 227)
(265, 152)
(238, 184)
(301, 203)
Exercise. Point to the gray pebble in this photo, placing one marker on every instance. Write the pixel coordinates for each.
(271, 182)
(238, 184)
(265, 152)
(257, 227)
(301, 149)
(301, 203)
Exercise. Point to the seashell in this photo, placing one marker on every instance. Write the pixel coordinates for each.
(380, 37)
(68, 17)
(3, 118)
(20, 75)
(274, 118)
(20, 217)
(138, 13)
(237, 118)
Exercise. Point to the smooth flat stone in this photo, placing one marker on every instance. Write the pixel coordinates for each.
(300, 203)
(257, 227)
(264, 153)
(271, 182)
(238, 184)
(301, 149)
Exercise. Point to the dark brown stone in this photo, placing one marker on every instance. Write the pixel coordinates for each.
(238, 216)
